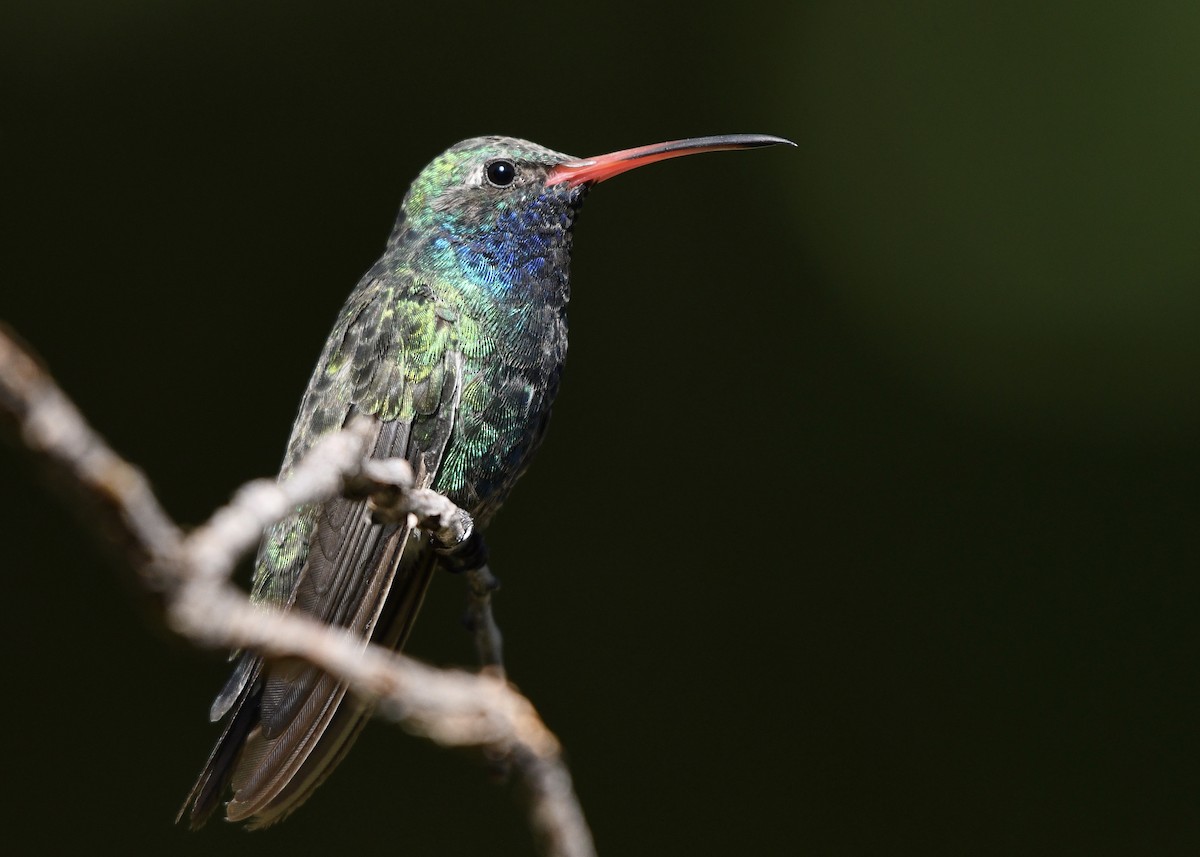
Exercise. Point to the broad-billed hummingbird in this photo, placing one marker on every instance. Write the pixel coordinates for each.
(452, 345)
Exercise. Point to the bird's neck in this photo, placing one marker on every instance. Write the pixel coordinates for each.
(517, 253)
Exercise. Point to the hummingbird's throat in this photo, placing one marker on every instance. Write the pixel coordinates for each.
(523, 250)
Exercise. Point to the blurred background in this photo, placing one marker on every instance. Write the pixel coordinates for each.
(920, 399)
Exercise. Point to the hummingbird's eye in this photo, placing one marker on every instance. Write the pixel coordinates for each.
(501, 172)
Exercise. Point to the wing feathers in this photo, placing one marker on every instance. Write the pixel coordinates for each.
(393, 357)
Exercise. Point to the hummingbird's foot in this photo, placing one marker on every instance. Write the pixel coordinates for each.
(466, 554)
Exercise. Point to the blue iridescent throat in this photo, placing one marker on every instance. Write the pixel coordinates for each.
(517, 246)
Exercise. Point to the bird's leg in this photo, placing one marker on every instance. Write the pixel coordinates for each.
(455, 538)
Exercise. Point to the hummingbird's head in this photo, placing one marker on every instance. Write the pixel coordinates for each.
(479, 181)
(501, 209)
(482, 183)
(484, 208)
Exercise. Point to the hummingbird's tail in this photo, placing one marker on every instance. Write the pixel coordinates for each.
(290, 723)
(279, 769)
(210, 786)
(274, 767)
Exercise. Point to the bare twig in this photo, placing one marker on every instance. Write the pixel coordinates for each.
(190, 575)
(488, 642)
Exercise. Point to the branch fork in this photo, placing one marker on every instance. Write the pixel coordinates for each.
(189, 577)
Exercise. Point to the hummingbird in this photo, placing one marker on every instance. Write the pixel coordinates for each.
(451, 346)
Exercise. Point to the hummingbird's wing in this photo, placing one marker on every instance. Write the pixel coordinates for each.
(392, 356)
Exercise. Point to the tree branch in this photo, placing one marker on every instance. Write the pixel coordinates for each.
(189, 577)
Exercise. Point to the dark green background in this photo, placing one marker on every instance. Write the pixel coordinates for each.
(868, 522)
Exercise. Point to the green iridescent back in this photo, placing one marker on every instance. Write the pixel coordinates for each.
(474, 280)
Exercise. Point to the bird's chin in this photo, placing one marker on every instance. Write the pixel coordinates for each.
(578, 194)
